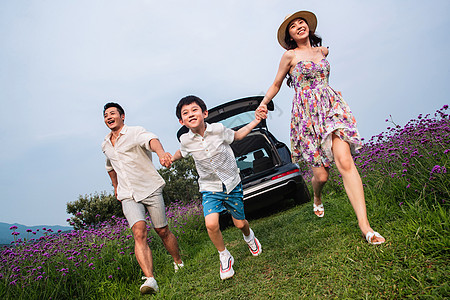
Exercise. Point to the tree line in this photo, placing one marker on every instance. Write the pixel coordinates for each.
(90, 210)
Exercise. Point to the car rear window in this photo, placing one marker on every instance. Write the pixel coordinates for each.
(239, 120)
(253, 154)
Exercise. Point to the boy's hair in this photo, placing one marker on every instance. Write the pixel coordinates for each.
(188, 100)
(116, 105)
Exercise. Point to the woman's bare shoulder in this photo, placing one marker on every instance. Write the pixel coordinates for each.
(324, 51)
(289, 54)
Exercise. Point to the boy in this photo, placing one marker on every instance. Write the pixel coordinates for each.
(219, 180)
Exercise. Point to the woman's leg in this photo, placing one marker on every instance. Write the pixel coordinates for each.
(320, 177)
(352, 183)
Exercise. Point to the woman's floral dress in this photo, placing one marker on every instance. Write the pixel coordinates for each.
(317, 112)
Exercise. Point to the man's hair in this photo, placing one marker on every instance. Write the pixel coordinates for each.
(188, 100)
(116, 105)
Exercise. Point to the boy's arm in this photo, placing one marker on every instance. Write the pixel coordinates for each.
(242, 132)
(177, 156)
(165, 158)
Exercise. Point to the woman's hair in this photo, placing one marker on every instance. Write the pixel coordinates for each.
(314, 40)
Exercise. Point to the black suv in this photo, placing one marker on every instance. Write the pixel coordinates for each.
(267, 172)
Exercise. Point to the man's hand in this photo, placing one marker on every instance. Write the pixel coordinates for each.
(166, 159)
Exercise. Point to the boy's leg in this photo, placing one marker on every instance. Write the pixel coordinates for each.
(249, 237)
(226, 259)
(242, 225)
(213, 228)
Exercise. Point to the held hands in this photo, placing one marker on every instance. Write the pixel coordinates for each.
(166, 160)
(261, 112)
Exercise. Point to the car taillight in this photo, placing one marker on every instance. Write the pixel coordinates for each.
(285, 173)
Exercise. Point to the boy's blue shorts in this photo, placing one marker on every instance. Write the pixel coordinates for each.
(218, 202)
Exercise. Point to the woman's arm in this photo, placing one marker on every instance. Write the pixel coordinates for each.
(283, 69)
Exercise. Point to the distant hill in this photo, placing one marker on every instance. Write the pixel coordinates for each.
(6, 237)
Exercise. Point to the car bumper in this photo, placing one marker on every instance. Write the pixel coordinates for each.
(267, 185)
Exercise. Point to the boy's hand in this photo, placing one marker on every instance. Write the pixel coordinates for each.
(261, 112)
(176, 156)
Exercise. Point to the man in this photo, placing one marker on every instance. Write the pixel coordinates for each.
(138, 186)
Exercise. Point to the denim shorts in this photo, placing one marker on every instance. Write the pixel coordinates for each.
(218, 202)
(154, 204)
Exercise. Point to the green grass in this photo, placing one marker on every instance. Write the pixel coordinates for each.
(303, 257)
(308, 257)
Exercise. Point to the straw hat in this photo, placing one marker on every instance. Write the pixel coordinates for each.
(307, 15)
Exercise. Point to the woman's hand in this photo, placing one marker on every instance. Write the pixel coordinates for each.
(261, 112)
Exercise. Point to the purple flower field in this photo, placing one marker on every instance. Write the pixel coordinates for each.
(410, 162)
(405, 164)
(56, 256)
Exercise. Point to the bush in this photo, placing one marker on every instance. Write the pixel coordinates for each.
(181, 181)
(93, 209)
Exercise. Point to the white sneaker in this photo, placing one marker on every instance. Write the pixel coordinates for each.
(150, 286)
(253, 244)
(226, 265)
(178, 266)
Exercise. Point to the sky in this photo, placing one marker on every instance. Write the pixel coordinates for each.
(61, 61)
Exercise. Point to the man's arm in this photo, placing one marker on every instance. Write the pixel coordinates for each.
(242, 132)
(165, 158)
(113, 175)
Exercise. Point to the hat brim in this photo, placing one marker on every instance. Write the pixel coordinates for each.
(307, 15)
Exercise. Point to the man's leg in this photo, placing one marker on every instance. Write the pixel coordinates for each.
(170, 242)
(141, 248)
(157, 211)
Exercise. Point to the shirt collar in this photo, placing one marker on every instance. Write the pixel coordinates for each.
(122, 131)
(208, 129)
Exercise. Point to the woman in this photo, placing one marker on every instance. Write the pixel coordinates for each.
(323, 128)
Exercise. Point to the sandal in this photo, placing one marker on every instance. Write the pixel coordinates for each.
(320, 209)
(370, 235)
